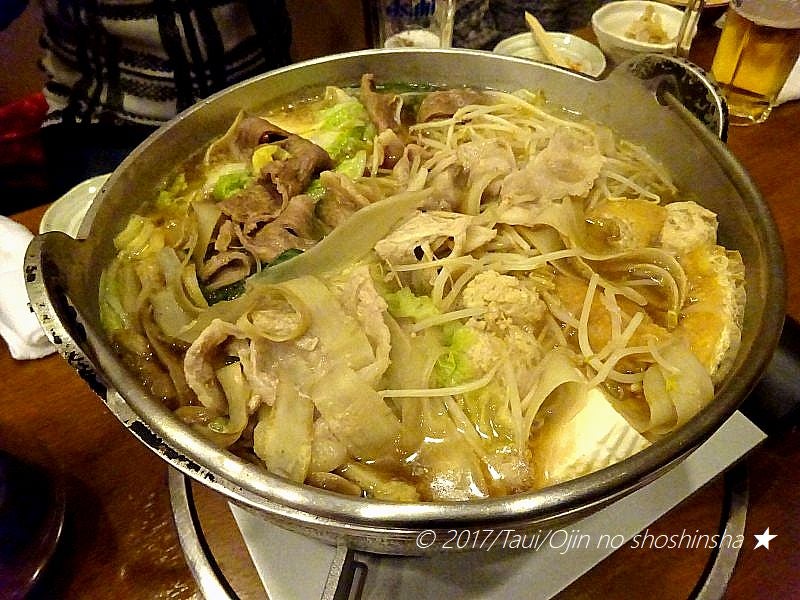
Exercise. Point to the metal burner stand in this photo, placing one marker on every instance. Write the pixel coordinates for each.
(339, 573)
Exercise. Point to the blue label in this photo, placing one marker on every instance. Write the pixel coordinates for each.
(399, 9)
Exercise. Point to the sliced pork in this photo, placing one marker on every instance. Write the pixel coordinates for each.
(383, 109)
(440, 105)
(295, 228)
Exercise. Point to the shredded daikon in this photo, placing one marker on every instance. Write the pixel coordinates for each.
(583, 322)
(438, 392)
(448, 317)
(620, 351)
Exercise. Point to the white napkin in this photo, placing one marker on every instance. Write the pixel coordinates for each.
(18, 325)
(791, 89)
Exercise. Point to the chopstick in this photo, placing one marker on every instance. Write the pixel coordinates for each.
(690, 17)
(545, 43)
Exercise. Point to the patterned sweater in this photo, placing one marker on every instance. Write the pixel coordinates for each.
(143, 61)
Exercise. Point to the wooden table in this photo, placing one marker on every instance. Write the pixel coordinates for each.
(120, 540)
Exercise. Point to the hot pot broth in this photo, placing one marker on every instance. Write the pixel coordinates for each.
(425, 295)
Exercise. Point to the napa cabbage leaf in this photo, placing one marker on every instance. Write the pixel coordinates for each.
(341, 125)
(230, 183)
(404, 303)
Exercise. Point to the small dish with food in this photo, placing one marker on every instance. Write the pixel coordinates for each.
(630, 27)
(582, 56)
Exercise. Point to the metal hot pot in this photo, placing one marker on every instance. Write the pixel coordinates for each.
(660, 102)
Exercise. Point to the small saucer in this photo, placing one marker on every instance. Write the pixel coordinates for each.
(67, 213)
(586, 56)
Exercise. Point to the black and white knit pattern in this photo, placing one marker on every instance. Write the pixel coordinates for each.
(143, 61)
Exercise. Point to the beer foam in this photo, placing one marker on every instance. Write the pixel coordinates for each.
(780, 14)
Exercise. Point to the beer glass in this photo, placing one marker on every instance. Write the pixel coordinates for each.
(759, 45)
(412, 23)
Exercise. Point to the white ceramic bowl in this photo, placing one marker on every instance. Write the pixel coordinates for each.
(585, 56)
(67, 213)
(611, 22)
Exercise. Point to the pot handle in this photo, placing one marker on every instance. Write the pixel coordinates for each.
(48, 285)
(683, 80)
(774, 404)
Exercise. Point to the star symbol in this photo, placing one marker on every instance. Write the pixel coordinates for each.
(764, 538)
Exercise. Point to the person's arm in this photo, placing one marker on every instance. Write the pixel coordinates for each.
(10, 10)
